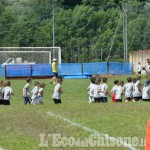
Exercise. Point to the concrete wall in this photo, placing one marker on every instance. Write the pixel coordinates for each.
(139, 56)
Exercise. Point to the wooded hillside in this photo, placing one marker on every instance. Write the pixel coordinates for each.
(83, 28)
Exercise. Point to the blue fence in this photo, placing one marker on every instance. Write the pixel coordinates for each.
(17, 70)
(2, 72)
(68, 70)
(120, 68)
(41, 70)
(95, 68)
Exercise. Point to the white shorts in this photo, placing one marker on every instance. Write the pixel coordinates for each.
(34, 101)
(40, 100)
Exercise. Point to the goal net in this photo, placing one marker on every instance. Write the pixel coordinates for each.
(29, 55)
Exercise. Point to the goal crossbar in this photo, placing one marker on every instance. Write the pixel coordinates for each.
(55, 52)
(28, 47)
(25, 51)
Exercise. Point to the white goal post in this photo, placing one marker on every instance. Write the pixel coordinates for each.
(30, 55)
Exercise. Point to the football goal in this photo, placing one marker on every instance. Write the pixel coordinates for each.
(29, 55)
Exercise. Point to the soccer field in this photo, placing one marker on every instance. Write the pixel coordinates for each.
(37, 127)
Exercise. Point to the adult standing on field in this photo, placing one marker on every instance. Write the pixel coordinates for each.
(54, 70)
(139, 68)
(147, 67)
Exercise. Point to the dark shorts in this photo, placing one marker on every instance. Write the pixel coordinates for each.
(55, 74)
(6, 102)
(146, 100)
(129, 98)
(57, 101)
(1, 101)
(97, 99)
(27, 100)
(137, 98)
(139, 72)
(104, 99)
(119, 100)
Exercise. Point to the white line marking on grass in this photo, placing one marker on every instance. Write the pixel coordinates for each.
(76, 124)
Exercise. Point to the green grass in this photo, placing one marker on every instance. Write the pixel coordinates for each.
(21, 125)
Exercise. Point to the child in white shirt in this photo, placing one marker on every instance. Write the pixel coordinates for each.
(137, 89)
(104, 91)
(41, 93)
(58, 91)
(128, 88)
(91, 90)
(119, 90)
(147, 67)
(146, 91)
(7, 91)
(97, 89)
(139, 68)
(26, 92)
(113, 91)
(34, 92)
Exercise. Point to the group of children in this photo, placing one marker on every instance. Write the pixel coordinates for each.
(97, 91)
(38, 92)
(133, 90)
(35, 96)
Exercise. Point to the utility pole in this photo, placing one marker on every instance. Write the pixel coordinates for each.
(53, 27)
(125, 31)
(101, 55)
(124, 52)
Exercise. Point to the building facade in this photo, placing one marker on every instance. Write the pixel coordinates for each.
(139, 56)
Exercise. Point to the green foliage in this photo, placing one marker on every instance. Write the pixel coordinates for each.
(81, 30)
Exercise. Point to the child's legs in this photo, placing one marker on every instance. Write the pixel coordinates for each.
(100, 99)
(1, 101)
(6, 102)
(91, 99)
(34, 101)
(26, 100)
(37, 101)
(40, 100)
(137, 98)
(104, 99)
(57, 101)
(119, 100)
(129, 99)
(113, 98)
(97, 99)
